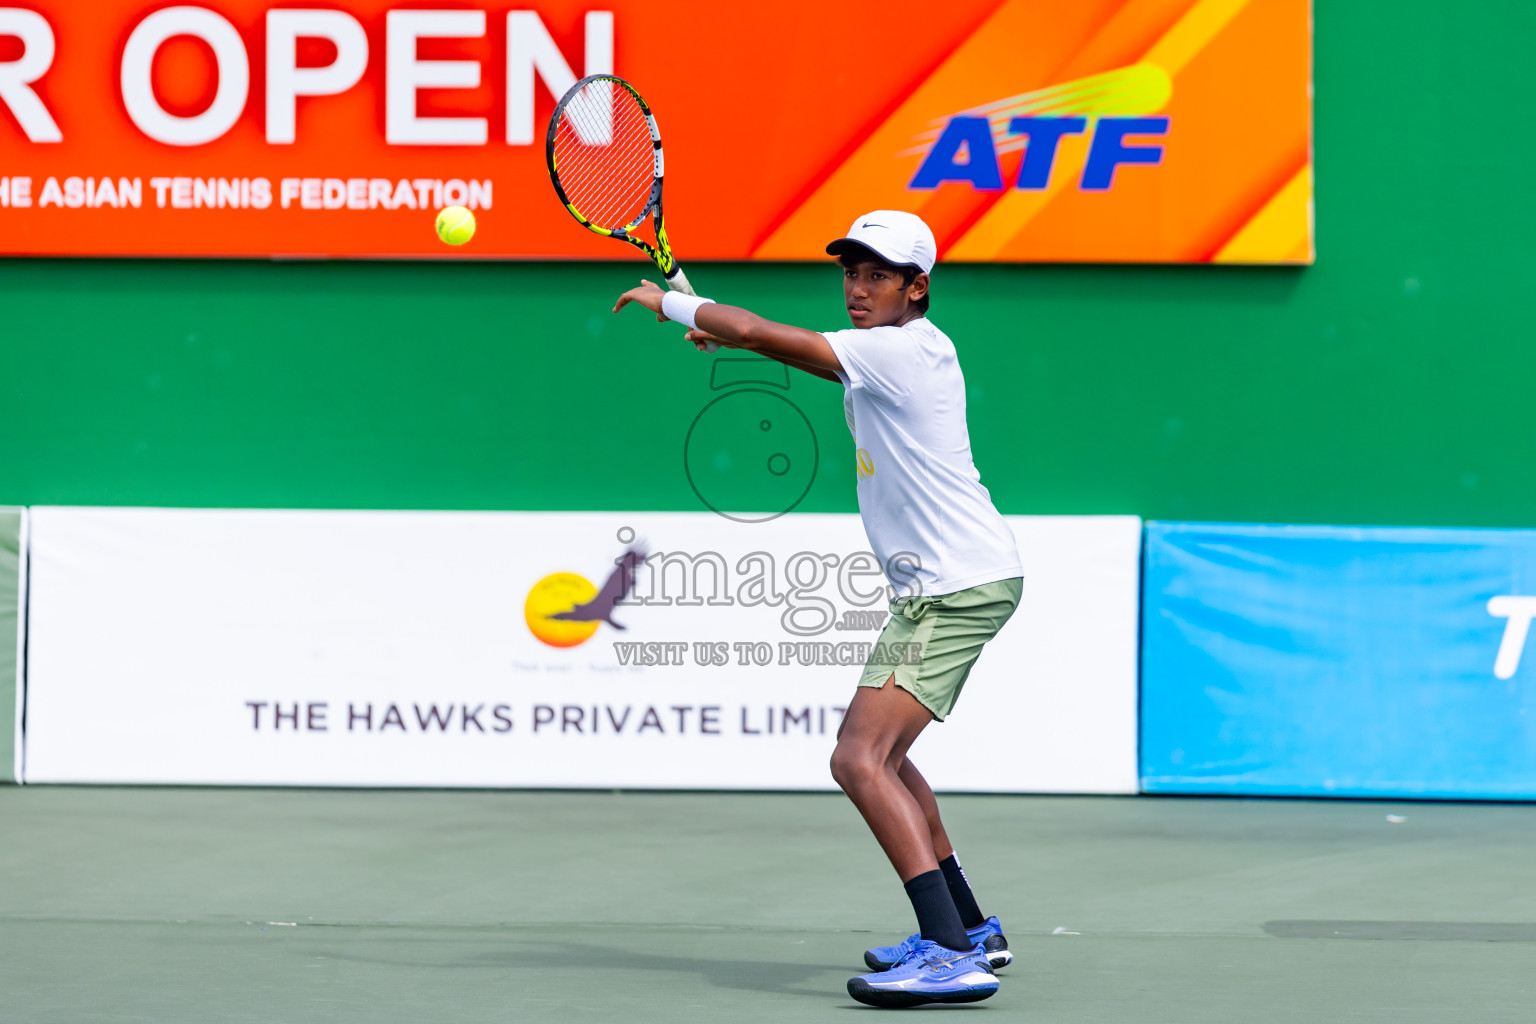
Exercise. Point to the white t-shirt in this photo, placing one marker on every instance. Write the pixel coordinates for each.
(919, 491)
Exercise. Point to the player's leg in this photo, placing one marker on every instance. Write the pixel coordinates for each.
(948, 633)
(943, 851)
(923, 794)
(941, 963)
(987, 931)
(878, 729)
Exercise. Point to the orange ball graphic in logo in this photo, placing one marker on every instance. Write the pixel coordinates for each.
(556, 593)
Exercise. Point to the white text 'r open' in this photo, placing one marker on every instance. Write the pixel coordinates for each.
(531, 56)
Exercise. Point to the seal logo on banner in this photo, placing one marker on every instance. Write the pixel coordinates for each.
(564, 609)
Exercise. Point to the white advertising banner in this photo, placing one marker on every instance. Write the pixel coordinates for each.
(477, 649)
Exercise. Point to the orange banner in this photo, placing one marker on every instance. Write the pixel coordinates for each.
(1021, 130)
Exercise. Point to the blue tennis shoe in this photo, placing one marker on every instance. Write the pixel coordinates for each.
(988, 935)
(928, 973)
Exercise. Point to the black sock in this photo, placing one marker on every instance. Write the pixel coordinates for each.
(960, 891)
(937, 918)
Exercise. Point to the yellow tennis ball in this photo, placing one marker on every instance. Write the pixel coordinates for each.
(455, 225)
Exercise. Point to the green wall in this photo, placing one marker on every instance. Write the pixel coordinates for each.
(1391, 383)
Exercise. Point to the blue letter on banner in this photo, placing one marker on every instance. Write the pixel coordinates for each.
(980, 168)
(1040, 155)
(1110, 151)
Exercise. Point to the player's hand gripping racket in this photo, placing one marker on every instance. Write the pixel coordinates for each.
(604, 155)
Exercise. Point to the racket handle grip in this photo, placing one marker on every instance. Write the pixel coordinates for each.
(678, 282)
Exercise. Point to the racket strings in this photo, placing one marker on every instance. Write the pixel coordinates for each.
(617, 147)
(610, 183)
(606, 195)
(604, 156)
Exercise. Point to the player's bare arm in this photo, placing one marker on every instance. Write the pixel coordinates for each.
(740, 328)
(875, 294)
(706, 342)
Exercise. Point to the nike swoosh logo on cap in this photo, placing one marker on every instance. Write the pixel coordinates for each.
(867, 224)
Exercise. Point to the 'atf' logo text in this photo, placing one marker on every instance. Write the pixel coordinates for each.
(1109, 108)
(972, 138)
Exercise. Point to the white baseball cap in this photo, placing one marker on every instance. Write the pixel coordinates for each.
(898, 237)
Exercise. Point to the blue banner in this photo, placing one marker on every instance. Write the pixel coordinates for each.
(1327, 661)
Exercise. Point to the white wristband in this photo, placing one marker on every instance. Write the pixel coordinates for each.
(682, 308)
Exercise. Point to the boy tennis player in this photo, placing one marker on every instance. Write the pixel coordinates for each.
(919, 494)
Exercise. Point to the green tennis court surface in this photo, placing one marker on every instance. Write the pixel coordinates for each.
(295, 906)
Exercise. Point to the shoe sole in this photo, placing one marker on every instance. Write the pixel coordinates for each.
(869, 995)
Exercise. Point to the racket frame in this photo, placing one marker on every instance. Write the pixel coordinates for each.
(660, 253)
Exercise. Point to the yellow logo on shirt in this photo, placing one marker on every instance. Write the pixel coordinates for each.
(866, 465)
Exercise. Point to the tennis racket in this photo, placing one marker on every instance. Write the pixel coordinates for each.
(604, 154)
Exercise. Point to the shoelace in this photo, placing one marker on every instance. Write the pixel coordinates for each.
(932, 953)
(920, 950)
(904, 948)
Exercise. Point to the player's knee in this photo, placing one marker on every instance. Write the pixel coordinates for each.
(839, 763)
(851, 767)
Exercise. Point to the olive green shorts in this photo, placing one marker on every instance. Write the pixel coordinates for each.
(931, 642)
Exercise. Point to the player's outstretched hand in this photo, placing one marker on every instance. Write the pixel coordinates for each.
(703, 339)
(648, 295)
